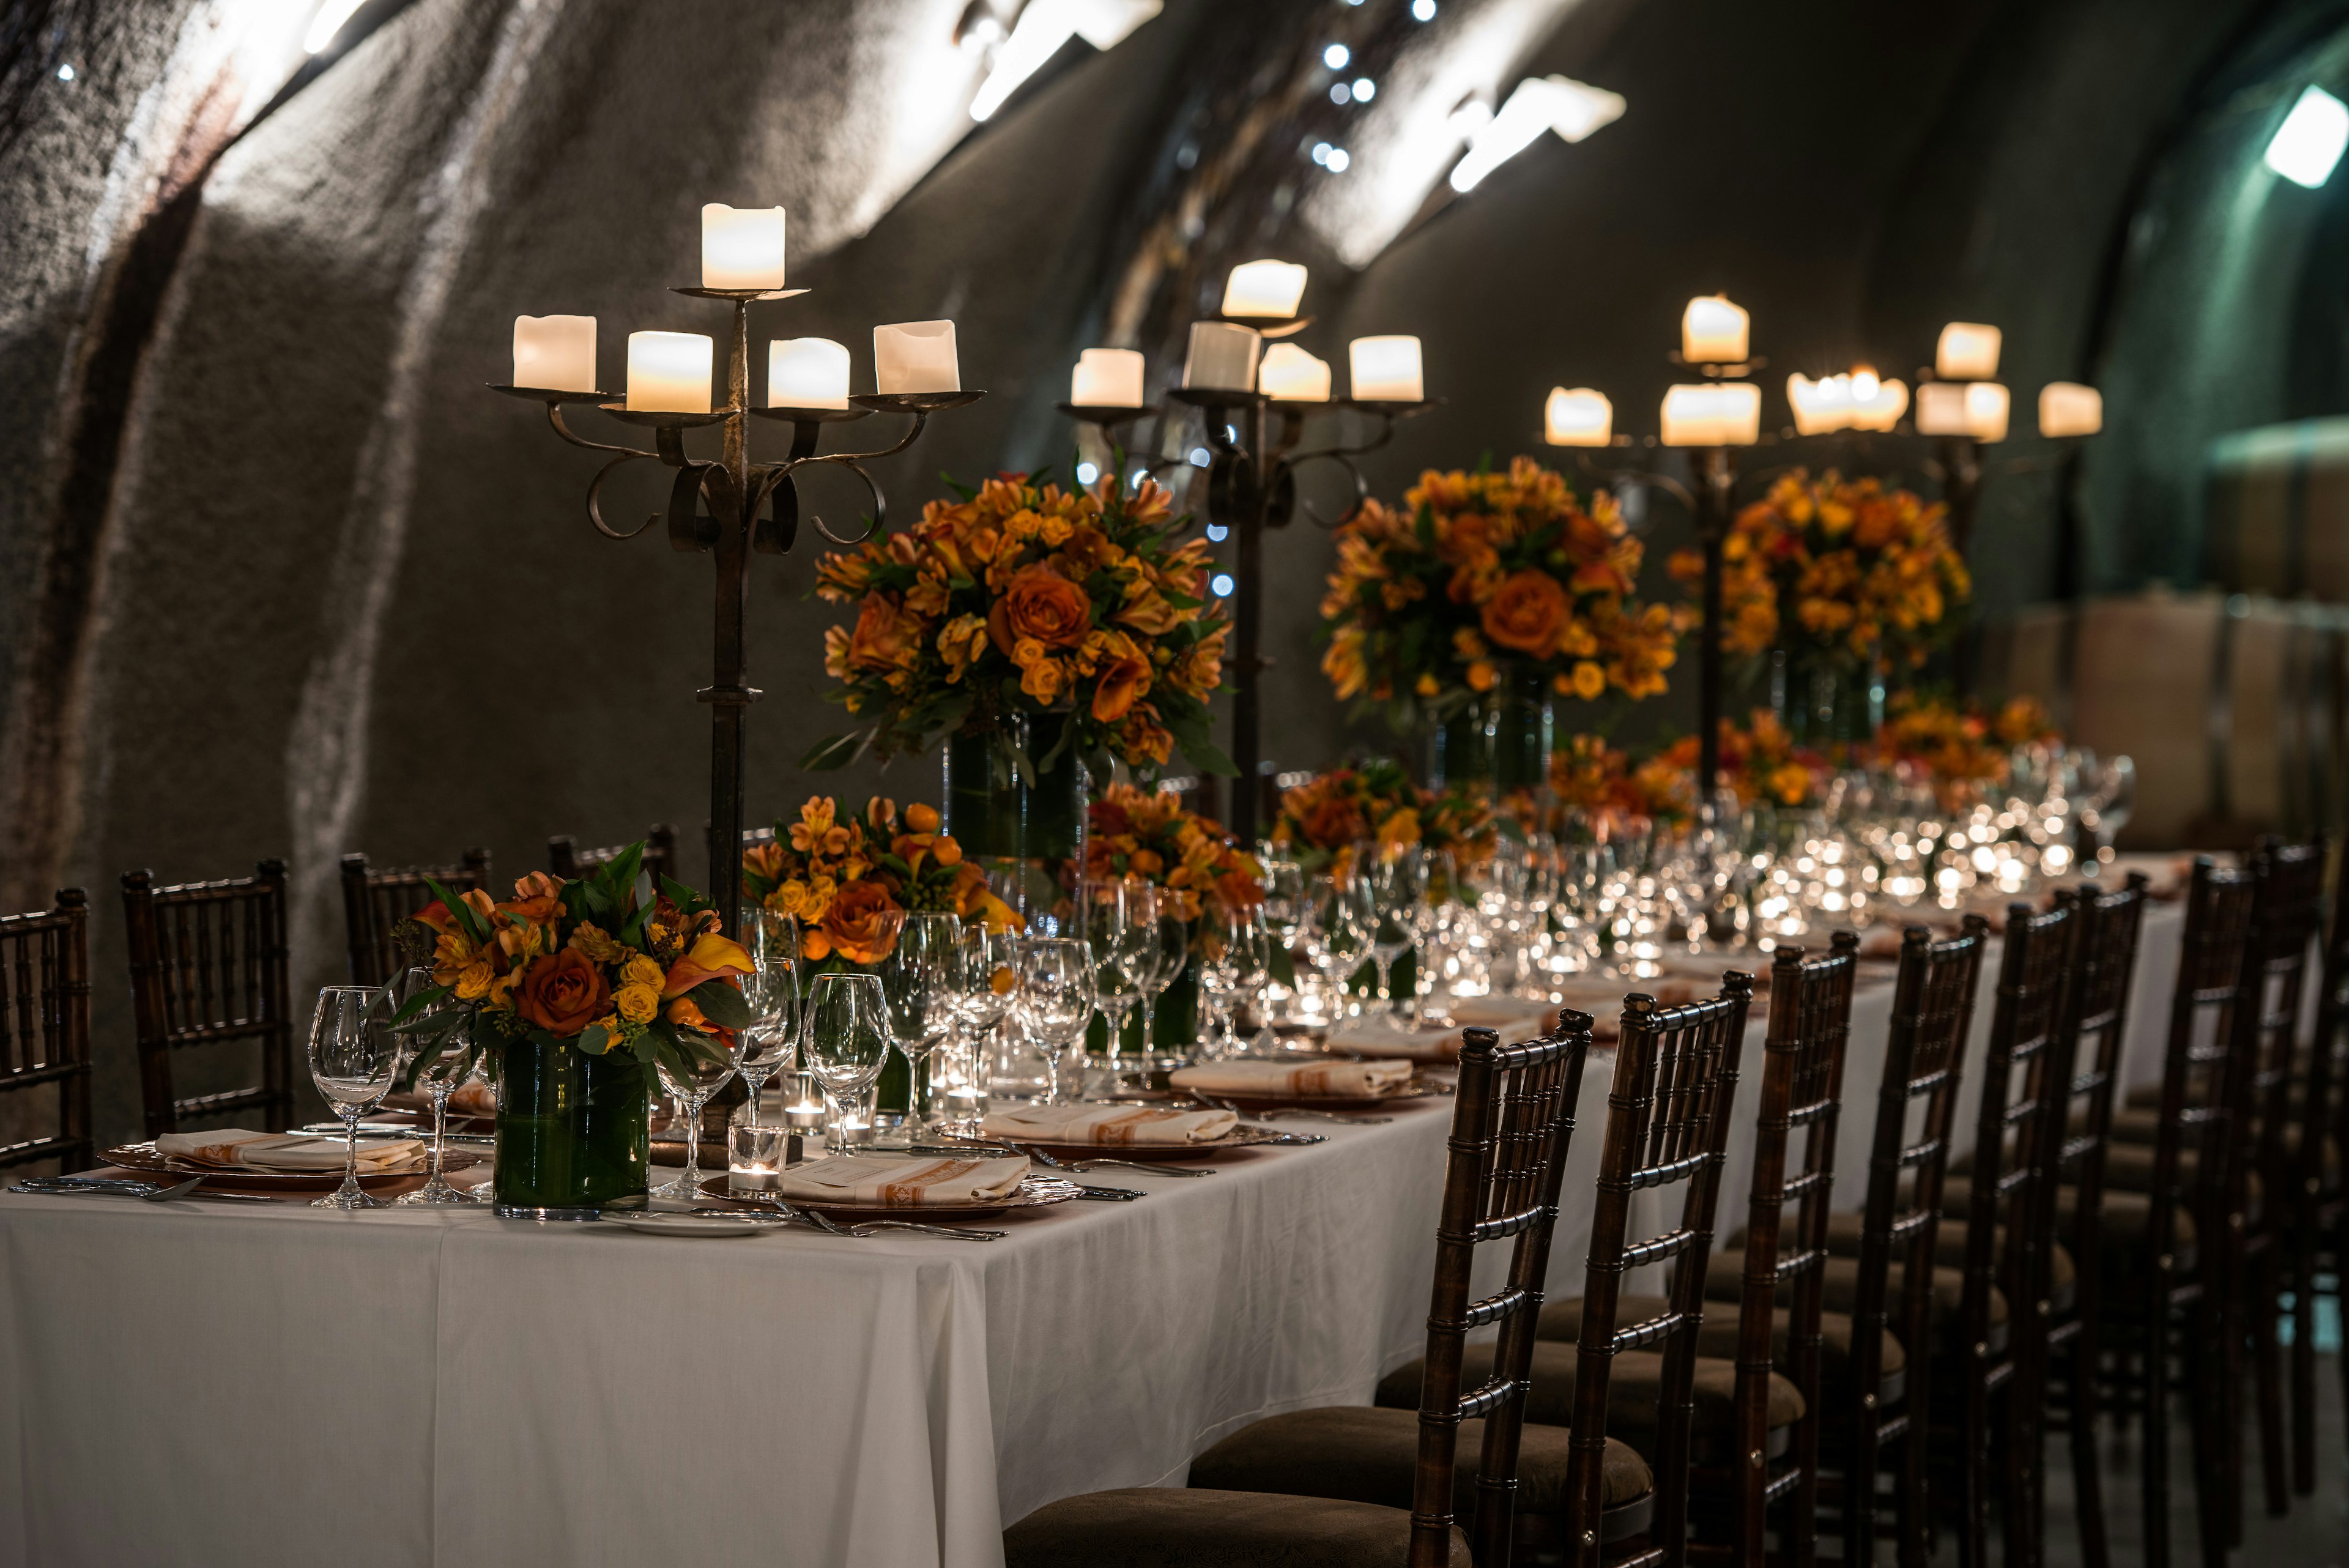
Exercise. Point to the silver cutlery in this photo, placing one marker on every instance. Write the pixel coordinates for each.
(866, 1229)
(153, 1191)
(1116, 1194)
(1210, 1101)
(1145, 1168)
(421, 1134)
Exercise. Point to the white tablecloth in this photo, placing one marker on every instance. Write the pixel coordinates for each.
(212, 1384)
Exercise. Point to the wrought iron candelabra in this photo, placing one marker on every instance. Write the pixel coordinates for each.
(1253, 443)
(731, 507)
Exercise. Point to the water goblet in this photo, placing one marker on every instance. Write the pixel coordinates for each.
(698, 1069)
(917, 979)
(1056, 1001)
(1396, 879)
(1118, 921)
(1169, 953)
(444, 1045)
(354, 1057)
(845, 1039)
(772, 991)
(1234, 950)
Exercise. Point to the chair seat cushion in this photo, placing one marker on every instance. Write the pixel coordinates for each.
(1174, 1527)
(1844, 1234)
(1634, 1395)
(1717, 1337)
(2123, 1223)
(1839, 1290)
(2128, 1168)
(1372, 1456)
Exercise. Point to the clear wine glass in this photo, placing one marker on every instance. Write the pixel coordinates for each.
(844, 1036)
(1337, 929)
(1170, 955)
(1234, 951)
(690, 1080)
(772, 991)
(1055, 1000)
(1397, 884)
(986, 976)
(917, 979)
(1118, 921)
(452, 1064)
(1430, 919)
(354, 1057)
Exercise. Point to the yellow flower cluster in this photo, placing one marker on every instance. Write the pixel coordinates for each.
(848, 885)
(1476, 570)
(1846, 570)
(1143, 832)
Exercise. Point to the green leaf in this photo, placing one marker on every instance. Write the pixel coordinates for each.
(595, 1039)
(466, 918)
(721, 1003)
(835, 752)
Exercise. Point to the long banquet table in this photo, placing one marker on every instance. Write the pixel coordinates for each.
(203, 1384)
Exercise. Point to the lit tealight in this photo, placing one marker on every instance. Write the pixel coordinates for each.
(1385, 369)
(1968, 352)
(1265, 289)
(1289, 375)
(1713, 331)
(742, 247)
(1976, 408)
(2067, 408)
(1578, 418)
(807, 373)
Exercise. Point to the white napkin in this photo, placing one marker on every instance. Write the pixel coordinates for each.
(234, 1149)
(1295, 1080)
(1487, 1011)
(1429, 1043)
(1107, 1123)
(895, 1182)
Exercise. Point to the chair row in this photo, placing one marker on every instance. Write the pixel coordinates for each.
(1861, 1382)
(208, 970)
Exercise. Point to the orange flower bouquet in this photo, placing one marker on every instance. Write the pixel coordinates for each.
(1846, 574)
(1432, 602)
(849, 885)
(1937, 743)
(1762, 764)
(1146, 834)
(1022, 599)
(1321, 820)
(1606, 788)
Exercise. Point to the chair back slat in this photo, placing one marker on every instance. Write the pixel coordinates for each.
(375, 902)
(1802, 1084)
(2288, 919)
(45, 1030)
(1667, 1123)
(2093, 1027)
(1932, 1010)
(1512, 1120)
(2324, 1108)
(208, 969)
(569, 862)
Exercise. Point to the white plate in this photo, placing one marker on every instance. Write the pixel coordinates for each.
(702, 1225)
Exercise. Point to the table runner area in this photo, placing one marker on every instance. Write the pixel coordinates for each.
(202, 1385)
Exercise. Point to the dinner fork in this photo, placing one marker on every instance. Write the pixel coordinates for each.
(1072, 1166)
(863, 1230)
(1292, 1111)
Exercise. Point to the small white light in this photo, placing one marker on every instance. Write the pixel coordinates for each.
(2310, 140)
(1365, 89)
(1217, 532)
(1087, 472)
(1336, 56)
(1221, 585)
(1422, 10)
(1337, 160)
(1340, 94)
(64, 73)
(1321, 152)
(1201, 457)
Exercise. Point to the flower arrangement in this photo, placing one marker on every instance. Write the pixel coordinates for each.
(1474, 571)
(1952, 747)
(1021, 596)
(849, 885)
(1323, 819)
(2024, 721)
(579, 963)
(1605, 787)
(1762, 763)
(1843, 572)
(1145, 833)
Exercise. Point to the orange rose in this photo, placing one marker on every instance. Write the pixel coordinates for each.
(1238, 890)
(885, 639)
(562, 993)
(1527, 612)
(1039, 603)
(1125, 677)
(863, 922)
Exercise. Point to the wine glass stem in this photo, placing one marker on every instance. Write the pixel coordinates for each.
(1149, 1021)
(439, 1128)
(1386, 997)
(693, 1104)
(350, 1152)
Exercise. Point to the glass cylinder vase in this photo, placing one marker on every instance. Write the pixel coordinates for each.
(1501, 740)
(1018, 833)
(573, 1133)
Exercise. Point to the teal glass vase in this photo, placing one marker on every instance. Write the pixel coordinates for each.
(1019, 834)
(573, 1131)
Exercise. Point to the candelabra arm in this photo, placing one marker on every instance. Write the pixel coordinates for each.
(850, 459)
(775, 537)
(555, 418)
(594, 488)
(1620, 476)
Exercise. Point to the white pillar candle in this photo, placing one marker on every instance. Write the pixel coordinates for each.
(1107, 378)
(2067, 408)
(1822, 406)
(1986, 410)
(1292, 375)
(1264, 289)
(668, 372)
(1721, 413)
(1579, 418)
(556, 352)
(916, 357)
(1877, 405)
(807, 373)
(1941, 408)
(1385, 369)
(1223, 357)
(1968, 352)
(1713, 331)
(742, 247)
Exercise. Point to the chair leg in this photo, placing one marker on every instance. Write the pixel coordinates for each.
(1973, 1462)
(2303, 1363)
(2025, 1460)
(2087, 1481)
(2153, 1370)
(2267, 1362)
(1915, 1517)
(1859, 1493)
(2209, 1363)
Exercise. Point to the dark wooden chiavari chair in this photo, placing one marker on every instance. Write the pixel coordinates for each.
(567, 860)
(2006, 1246)
(44, 1027)
(2319, 1192)
(1512, 1123)
(375, 902)
(1932, 1009)
(207, 969)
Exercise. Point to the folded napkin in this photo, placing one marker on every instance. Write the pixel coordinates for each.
(1107, 1123)
(1487, 1011)
(234, 1149)
(1285, 1080)
(1438, 1043)
(895, 1182)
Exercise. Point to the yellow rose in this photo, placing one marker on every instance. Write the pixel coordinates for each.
(637, 1003)
(1589, 681)
(642, 970)
(590, 941)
